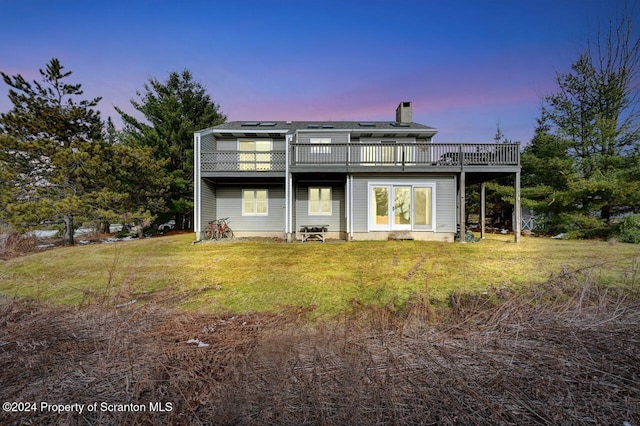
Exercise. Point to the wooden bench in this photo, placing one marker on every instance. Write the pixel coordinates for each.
(315, 232)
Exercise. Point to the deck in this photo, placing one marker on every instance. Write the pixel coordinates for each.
(373, 157)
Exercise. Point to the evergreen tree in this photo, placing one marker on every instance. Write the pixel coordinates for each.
(59, 167)
(500, 195)
(547, 169)
(50, 131)
(173, 110)
(591, 131)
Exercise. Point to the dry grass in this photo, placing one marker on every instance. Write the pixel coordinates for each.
(565, 352)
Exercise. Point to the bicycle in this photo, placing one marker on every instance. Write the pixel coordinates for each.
(218, 229)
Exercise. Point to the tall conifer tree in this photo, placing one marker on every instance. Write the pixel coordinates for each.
(173, 110)
(58, 164)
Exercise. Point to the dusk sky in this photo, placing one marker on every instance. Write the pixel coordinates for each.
(465, 65)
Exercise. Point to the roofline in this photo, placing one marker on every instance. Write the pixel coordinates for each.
(372, 130)
(291, 127)
(239, 129)
(213, 129)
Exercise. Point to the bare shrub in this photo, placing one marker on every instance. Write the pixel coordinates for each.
(14, 244)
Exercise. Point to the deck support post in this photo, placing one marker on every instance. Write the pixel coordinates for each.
(483, 210)
(288, 192)
(197, 183)
(461, 207)
(517, 217)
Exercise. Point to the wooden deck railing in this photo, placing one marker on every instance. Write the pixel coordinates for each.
(360, 154)
(242, 161)
(395, 154)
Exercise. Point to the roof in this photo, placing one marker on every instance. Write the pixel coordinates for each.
(360, 127)
(299, 125)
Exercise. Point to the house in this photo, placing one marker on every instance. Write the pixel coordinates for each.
(356, 180)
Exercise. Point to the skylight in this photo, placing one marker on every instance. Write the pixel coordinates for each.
(367, 124)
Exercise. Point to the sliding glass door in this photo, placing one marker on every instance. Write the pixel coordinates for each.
(400, 207)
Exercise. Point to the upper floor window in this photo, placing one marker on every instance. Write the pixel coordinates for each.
(326, 149)
(254, 155)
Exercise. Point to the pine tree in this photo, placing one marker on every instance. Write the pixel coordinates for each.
(59, 166)
(593, 117)
(50, 132)
(174, 110)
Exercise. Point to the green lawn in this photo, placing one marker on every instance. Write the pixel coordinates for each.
(248, 276)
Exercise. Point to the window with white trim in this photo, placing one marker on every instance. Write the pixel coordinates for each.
(255, 202)
(319, 201)
(254, 155)
(320, 149)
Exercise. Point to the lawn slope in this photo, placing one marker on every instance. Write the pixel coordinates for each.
(266, 276)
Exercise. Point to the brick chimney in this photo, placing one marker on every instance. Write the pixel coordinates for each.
(404, 114)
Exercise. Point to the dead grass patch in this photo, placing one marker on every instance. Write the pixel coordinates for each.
(564, 352)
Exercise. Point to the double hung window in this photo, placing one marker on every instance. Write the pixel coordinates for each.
(319, 201)
(323, 145)
(255, 202)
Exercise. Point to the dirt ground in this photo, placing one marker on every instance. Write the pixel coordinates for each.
(567, 352)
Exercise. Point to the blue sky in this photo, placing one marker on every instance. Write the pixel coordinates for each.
(465, 65)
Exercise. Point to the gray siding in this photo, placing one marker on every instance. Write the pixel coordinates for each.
(227, 145)
(207, 143)
(445, 215)
(208, 200)
(229, 204)
(336, 221)
(446, 204)
(360, 207)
